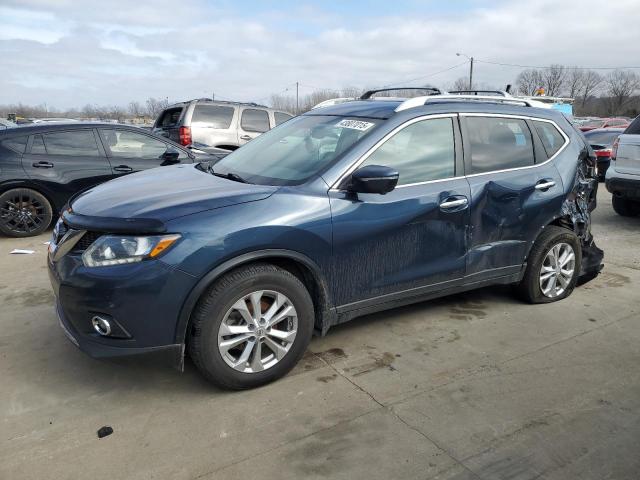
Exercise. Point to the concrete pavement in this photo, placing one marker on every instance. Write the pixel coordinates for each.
(473, 386)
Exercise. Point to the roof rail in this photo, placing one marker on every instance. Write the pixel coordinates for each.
(497, 93)
(230, 102)
(420, 101)
(368, 94)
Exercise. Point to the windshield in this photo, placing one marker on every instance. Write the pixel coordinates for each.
(295, 151)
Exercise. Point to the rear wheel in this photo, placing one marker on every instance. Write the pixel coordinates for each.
(24, 213)
(625, 207)
(251, 327)
(553, 267)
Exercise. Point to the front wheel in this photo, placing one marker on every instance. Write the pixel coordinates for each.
(553, 267)
(251, 327)
(24, 213)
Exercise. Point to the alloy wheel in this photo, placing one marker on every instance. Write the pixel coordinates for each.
(557, 270)
(22, 213)
(257, 331)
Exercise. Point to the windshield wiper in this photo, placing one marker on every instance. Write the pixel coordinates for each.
(229, 176)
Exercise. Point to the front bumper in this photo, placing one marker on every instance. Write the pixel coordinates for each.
(144, 300)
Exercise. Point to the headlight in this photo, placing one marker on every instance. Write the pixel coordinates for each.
(116, 250)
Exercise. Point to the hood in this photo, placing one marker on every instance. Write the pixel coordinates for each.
(165, 193)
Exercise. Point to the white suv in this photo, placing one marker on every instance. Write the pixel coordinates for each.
(227, 125)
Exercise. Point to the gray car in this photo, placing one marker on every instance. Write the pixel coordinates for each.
(623, 175)
(222, 124)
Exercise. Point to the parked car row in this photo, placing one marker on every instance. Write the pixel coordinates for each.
(590, 123)
(342, 211)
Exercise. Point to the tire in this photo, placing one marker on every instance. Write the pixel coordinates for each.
(218, 304)
(625, 207)
(24, 213)
(530, 288)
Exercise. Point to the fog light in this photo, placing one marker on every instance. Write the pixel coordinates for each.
(101, 326)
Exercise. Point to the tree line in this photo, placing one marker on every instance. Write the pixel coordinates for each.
(595, 94)
(144, 111)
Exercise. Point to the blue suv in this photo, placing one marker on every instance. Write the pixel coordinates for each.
(340, 212)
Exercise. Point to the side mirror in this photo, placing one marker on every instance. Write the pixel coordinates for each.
(170, 157)
(373, 179)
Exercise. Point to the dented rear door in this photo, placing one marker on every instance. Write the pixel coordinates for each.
(513, 193)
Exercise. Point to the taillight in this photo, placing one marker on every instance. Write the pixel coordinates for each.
(605, 152)
(614, 148)
(185, 135)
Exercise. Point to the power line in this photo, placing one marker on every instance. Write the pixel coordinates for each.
(426, 76)
(548, 66)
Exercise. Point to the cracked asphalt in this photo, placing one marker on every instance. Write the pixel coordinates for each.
(472, 386)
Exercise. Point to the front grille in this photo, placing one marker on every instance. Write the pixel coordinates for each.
(85, 241)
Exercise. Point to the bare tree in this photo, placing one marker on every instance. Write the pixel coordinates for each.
(592, 81)
(529, 81)
(155, 106)
(575, 82)
(621, 84)
(553, 79)
(136, 109)
(461, 83)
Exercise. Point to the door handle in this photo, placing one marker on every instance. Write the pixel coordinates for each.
(42, 164)
(123, 168)
(245, 137)
(545, 184)
(453, 202)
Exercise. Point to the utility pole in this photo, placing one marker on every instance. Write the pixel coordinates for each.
(297, 100)
(213, 95)
(470, 68)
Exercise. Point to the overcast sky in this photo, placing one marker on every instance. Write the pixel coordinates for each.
(72, 52)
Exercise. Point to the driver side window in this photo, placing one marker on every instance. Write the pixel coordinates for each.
(125, 143)
(420, 152)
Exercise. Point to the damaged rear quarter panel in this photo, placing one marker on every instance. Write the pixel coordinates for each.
(581, 186)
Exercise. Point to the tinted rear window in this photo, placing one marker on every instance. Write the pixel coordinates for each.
(255, 120)
(281, 117)
(597, 137)
(75, 144)
(215, 116)
(634, 128)
(499, 144)
(169, 118)
(17, 144)
(552, 139)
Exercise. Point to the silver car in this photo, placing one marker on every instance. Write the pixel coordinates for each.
(221, 124)
(623, 175)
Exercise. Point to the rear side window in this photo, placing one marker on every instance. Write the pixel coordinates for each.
(552, 139)
(17, 144)
(215, 116)
(281, 117)
(498, 144)
(169, 118)
(634, 128)
(421, 152)
(38, 145)
(255, 120)
(79, 143)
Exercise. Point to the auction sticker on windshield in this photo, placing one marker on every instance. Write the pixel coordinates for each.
(355, 124)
